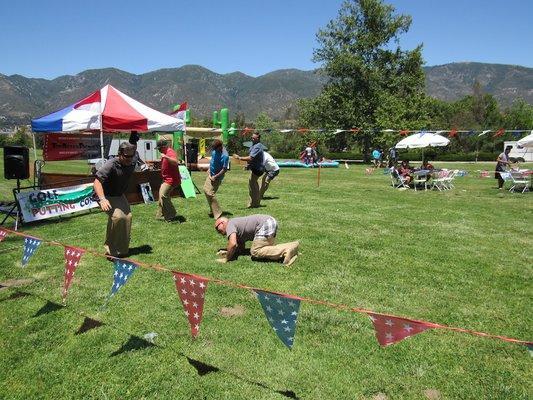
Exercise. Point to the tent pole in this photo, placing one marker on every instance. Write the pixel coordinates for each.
(101, 139)
(34, 146)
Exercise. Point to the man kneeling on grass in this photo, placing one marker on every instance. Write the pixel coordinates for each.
(261, 230)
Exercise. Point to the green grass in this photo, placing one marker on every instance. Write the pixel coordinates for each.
(461, 258)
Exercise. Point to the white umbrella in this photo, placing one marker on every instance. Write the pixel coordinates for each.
(421, 140)
(526, 141)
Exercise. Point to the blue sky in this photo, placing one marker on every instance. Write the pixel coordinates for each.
(50, 38)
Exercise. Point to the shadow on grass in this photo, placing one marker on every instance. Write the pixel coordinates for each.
(48, 308)
(144, 249)
(88, 324)
(16, 295)
(270, 198)
(204, 369)
(134, 343)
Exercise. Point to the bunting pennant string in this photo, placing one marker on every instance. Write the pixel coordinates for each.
(30, 245)
(281, 312)
(3, 234)
(420, 325)
(123, 270)
(390, 330)
(72, 259)
(402, 132)
(191, 289)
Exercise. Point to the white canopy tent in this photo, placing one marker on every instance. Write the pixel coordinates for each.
(526, 141)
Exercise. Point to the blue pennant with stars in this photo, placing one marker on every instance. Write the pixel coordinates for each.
(282, 314)
(30, 245)
(123, 270)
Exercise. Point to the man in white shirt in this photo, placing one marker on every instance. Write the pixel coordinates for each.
(271, 171)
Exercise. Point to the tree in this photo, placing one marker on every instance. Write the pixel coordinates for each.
(372, 83)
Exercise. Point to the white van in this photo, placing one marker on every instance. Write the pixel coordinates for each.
(524, 154)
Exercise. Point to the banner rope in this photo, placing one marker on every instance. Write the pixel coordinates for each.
(329, 304)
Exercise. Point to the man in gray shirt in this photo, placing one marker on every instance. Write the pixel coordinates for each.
(261, 230)
(256, 167)
(111, 182)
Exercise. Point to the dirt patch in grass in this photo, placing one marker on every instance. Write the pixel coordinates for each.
(380, 396)
(236, 311)
(432, 394)
(15, 283)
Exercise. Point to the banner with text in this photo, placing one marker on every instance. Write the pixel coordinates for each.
(84, 146)
(43, 204)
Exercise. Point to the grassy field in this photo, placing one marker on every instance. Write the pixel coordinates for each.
(462, 258)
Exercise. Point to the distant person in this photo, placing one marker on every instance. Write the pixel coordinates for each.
(255, 165)
(171, 180)
(218, 166)
(376, 156)
(393, 157)
(137, 162)
(405, 172)
(502, 165)
(261, 230)
(271, 171)
(111, 182)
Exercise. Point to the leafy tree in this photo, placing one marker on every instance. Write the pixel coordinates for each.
(372, 83)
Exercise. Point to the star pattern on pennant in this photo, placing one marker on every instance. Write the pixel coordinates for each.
(390, 330)
(3, 234)
(72, 259)
(281, 313)
(191, 290)
(30, 245)
(123, 270)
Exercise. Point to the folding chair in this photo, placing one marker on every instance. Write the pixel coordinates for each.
(398, 181)
(420, 180)
(517, 181)
(440, 181)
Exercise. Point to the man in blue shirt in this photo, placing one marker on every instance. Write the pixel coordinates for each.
(256, 167)
(217, 168)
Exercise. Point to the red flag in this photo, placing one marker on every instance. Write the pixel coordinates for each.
(355, 130)
(302, 130)
(180, 112)
(499, 133)
(404, 133)
(453, 133)
(3, 234)
(191, 289)
(390, 330)
(72, 259)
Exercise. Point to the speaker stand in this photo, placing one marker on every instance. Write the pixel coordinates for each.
(10, 212)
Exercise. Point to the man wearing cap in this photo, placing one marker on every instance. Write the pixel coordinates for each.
(171, 180)
(256, 167)
(111, 182)
(261, 230)
(218, 166)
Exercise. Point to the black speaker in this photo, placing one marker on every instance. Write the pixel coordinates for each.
(192, 152)
(16, 162)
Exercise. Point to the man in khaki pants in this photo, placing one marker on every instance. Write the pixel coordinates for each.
(218, 166)
(256, 167)
(111, 183)
(261, 230)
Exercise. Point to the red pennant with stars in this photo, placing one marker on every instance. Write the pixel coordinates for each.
(72, 259)
(390, 330)
(453, 133)
(499, 132)
(191, 289)
(3, 234)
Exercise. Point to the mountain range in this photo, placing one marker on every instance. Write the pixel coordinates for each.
(274, 93)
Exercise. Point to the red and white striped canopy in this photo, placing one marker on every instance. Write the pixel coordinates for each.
(111, 110)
